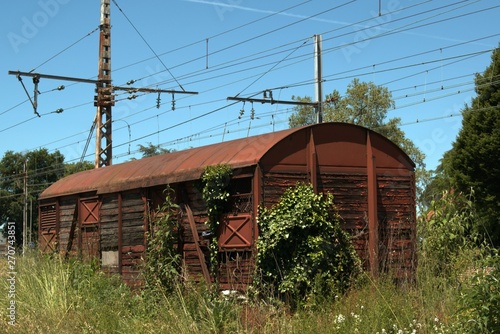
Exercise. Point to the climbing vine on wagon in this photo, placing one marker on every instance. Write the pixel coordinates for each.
(215, 193)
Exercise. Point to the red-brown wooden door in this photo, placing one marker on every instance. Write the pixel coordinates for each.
(89, 228)
(236, 232)
(236, 242)
(48, 225)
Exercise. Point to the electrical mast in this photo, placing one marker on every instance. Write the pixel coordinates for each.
(318, 104)
(104, 99)
(318, 70)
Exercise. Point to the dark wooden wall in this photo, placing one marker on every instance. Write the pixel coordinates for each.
(120, 232)
(397, 225)
(396, 213)
(68, 229)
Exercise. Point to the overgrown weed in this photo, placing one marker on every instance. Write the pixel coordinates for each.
(58, 296)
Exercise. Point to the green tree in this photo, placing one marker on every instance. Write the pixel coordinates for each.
(75, 167)
(474, 159)
(38, 169)
(152, 150)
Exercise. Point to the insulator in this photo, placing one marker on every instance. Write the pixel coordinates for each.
(60, 110)
(252, 112)
(242, 111)
(130, 82)
(61, 87)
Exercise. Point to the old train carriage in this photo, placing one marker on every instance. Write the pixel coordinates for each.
(104, 213)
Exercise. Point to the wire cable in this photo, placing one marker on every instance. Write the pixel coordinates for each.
(50, 169)
(216, 35)
(260, 35)
(274, 66)
(288, 85)
(65, 49)
(149, 46)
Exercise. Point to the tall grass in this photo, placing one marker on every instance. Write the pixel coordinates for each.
(58, 296)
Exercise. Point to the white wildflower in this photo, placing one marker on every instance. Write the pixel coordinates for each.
(339, 319)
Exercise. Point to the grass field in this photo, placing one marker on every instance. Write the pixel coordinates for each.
(57, 296)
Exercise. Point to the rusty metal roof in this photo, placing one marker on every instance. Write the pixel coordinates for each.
(188, 164)
(166, 168)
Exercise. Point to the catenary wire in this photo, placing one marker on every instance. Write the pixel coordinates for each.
(148, 45)
(46, 170)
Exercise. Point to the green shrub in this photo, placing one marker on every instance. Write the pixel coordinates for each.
(161, 268)
(446, 232)
(302, 250)
(480, 299)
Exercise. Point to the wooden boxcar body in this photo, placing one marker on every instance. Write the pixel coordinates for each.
(104, 214)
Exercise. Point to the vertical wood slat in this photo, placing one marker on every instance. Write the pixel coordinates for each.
(372, 208)
(312, 165)
(196, 239)
(120, 234)
(58, 225)
(257, 197)
(72, 229)
(89, 227)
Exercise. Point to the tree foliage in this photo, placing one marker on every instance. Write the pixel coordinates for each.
(474, 159)
(447, 231)
(480, 300)
(152, 150)
(302, 249)
(75, 167)
(38, 169)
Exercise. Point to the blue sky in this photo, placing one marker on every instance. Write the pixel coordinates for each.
(424, 52)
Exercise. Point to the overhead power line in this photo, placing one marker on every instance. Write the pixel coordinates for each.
(275, 30)
(310, 82)
(148, 45)
(65, 49)
(369, 38)
(215, 36)
(371, 27)
(51, 169)
(370, 72)
(458, 57)
(267, 33)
